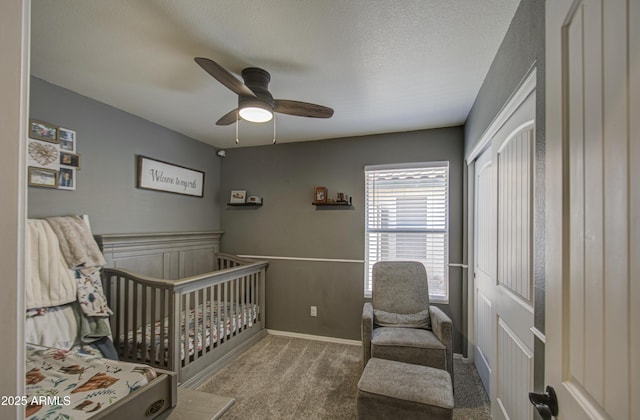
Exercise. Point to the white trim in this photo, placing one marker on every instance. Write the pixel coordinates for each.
(315, 337)
(525, 88)
(536, 332)
(465, 360)
(273, 257)
(465, 266)
(408, 165)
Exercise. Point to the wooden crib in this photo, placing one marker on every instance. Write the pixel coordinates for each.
(192, 324)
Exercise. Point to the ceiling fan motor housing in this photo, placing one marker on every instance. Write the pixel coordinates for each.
(257, 80)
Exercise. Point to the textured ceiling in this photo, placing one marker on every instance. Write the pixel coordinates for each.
(383, 65)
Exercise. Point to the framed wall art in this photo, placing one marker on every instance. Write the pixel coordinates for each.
(43, 131)
(67, 179)
(238, 197)
(41, 177)
(157, 175)
(69, 159)
(320, 195)
(67, 140)
(43, 154)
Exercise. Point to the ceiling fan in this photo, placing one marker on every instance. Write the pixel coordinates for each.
(255, 102)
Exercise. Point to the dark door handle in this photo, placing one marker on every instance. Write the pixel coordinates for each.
(546, 404)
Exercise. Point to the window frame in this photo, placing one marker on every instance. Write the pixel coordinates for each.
(368, 264)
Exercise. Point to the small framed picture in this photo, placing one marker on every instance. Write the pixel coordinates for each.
(67, 140)
(40, 177)
(320, 195)
(67, 179)
(238, 197)
(70, 159)
(43, 131)
(43, 154)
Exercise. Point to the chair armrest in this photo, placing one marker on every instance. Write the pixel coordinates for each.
(441, 325)
(366, 330)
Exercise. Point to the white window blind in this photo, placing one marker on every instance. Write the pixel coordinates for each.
(407, 208)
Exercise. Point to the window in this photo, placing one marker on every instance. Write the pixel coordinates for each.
(407, 208)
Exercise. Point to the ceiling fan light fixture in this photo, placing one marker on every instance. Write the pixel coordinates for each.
(255, 114)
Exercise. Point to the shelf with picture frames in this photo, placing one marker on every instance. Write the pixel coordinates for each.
(321, 199)
(244, 204)
(239, 199)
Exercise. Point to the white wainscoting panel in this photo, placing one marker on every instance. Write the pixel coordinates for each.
(514, 212)
(515, 379)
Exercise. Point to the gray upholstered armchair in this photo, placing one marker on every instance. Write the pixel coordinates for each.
(399, 324)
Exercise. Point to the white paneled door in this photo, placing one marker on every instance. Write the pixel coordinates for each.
(592, 207)
(503, 260)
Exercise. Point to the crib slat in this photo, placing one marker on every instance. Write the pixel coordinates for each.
(261, 302)
(232, 307)
(218, 316)
(118, 311)
(136, 321)
(152, 323)
(212, 326)
(253, 291)
(243, 302)
(163, 323)
(236, 310)
(196, 325)
(221, 319)
(184, 315)
(127, 321)
(143, 349)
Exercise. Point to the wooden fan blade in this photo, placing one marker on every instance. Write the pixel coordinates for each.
(302, 109)
(223, 76)
(228, 118)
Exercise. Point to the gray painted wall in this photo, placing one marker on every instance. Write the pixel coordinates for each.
(288, 225)
(521, 48)
(108, 141)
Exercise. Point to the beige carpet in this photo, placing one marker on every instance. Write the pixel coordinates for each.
(291, 378)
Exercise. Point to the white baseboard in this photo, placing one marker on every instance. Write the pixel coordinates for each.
(467, 360)
(315, 337)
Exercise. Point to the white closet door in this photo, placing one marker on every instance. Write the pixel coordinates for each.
(503, 263)
(485, 266)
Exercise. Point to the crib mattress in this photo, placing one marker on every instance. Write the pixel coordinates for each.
(234, 317)
(71, 385)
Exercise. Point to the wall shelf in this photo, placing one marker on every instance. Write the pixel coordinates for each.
(244, 204)
(343, 204)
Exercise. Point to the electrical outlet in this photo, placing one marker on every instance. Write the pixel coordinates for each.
(314, 311)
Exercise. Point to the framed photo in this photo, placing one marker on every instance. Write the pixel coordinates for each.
(43, 131)
(41, 177)
(70, 159)
(67, 140)
(254, 199)
(238, 197)
(320, 195)
(157, 175)
(43, 154)
(67, 179)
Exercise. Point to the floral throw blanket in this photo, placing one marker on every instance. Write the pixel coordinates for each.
(63, 384)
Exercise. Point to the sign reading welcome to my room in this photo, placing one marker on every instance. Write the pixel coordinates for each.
(157, 175)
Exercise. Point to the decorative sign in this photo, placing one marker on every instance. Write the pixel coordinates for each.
(162, 176)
